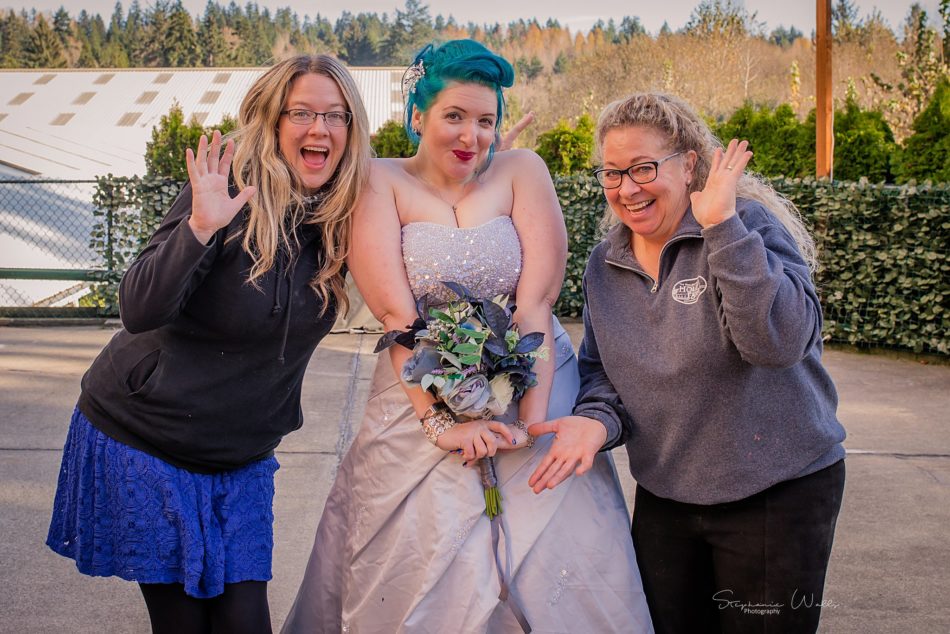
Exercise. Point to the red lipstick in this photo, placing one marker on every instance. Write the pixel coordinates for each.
(463, 156)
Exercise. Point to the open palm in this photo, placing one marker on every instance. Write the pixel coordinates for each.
(717, 201)
(212, 206)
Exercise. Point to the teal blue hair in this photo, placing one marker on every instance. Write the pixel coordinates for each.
(462, 61)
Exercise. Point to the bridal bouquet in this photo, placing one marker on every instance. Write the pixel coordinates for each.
(470, 356)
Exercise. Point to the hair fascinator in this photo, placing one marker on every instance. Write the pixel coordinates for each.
(411, 77)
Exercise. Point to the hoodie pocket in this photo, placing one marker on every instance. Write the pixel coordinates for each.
(141, 378)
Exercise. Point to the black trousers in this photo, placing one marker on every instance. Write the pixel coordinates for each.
(755, 565)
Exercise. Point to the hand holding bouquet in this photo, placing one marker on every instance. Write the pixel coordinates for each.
(471, 357)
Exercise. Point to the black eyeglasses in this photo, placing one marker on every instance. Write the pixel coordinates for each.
(640, 173)
(334, 119)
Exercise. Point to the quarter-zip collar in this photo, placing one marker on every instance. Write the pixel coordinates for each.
(620, 254)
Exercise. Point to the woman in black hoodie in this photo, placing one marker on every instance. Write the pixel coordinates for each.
(167, 473)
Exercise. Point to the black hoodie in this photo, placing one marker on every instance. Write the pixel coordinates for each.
(207, 371)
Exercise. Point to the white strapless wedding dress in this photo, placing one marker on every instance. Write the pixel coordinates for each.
(404, 544)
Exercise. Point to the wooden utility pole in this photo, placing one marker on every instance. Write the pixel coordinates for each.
(824, 104)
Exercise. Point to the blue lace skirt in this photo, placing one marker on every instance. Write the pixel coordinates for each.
(121, 512)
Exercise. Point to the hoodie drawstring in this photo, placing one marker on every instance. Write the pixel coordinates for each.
(290, 308)
(278, 308)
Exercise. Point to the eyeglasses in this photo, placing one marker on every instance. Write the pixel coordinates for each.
(640, 173)
(334, 119)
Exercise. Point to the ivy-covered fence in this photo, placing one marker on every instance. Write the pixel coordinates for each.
(884, 278)
(127, 212)
(885, 274)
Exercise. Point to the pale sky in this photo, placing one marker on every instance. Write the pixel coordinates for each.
(652, 13)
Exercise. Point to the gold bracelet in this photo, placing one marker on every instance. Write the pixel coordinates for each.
(436, 421)
(519, 424)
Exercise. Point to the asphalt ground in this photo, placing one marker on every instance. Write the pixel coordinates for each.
(890, 567)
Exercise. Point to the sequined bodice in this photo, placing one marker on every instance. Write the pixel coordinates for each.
(485, 258)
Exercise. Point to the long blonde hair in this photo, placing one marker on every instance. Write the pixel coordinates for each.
(280, 201)
(675, 119)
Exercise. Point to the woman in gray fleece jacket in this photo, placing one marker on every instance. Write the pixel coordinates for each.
(702, 353)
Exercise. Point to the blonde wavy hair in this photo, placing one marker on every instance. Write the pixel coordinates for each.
(280, 203)
(676, 120)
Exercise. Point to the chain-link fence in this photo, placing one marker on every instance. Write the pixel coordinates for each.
(47, 264)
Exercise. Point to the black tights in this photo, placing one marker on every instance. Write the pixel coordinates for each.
(241, 608)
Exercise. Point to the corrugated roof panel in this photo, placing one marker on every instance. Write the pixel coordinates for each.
(89, 144)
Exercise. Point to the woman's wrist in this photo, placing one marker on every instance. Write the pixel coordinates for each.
(436, 421)
(520, 424)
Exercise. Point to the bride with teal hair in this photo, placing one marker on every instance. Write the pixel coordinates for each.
(404, 543)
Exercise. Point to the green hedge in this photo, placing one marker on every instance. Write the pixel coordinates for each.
(885, 274)
(884, 281)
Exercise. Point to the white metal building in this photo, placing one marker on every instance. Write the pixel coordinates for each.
(79, 124)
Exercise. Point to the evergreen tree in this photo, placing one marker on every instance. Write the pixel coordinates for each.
(722, 18)
(392, 141)
(44, 48)
(360, 38)
(179, 41)
(566, 150)
(784, 37)
(844, 20)
(945, 14)
(135, 34)
(62, 25)
(630, 27)
(152, 52)
(529, 69)
(411, 30)
(320, 36)
(922, 67)
(781, 145)
(254, 48)
(864, 144)
(93, 30)
(165, 153)
(114, 52)
(926, 153)
(14, 38)
(214, 48)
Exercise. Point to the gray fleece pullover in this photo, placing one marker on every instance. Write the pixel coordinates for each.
(711, 374)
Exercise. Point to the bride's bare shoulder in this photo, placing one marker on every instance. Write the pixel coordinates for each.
(517, 159)
(388, 168)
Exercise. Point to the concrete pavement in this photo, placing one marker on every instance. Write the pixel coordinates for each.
(890, 568)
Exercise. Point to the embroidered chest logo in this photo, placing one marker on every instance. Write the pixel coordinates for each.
(688, 291)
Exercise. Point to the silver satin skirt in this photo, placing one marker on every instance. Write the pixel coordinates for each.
(404, 544)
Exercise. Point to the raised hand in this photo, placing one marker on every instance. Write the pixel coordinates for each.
(211, 204)
(507, 141)
(577, 439)
(717, 201)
